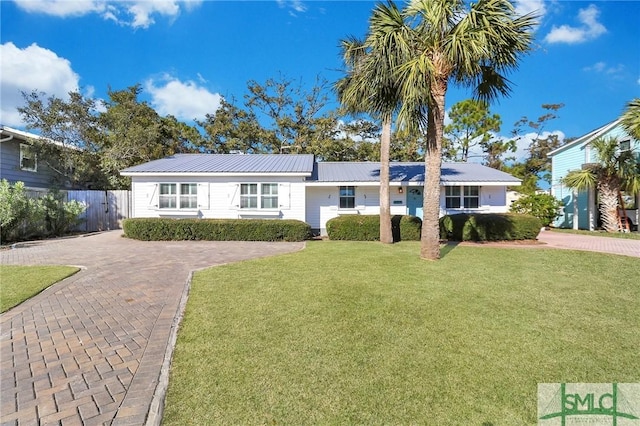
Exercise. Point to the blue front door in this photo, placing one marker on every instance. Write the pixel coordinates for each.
(414, 202)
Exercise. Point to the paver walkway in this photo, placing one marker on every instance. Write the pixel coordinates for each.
(90, 350)
(590, 243)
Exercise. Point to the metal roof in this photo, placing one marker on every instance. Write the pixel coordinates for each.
(407, 172)
(226, 163)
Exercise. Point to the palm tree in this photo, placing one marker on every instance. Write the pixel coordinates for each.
(370, 87)
(446, 42)
(631, 118)
(614, 171)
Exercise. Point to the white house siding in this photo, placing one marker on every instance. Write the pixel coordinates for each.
(322, 203)
(218, 197)
(493, 199)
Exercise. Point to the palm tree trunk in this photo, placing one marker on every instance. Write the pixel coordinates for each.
(608, 192)
(386, 235)
(430, 239)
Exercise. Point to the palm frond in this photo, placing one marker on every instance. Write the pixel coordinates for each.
(581, 179)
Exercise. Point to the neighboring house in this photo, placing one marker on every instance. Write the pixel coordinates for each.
(18, 161)
(580, 209)
(298, 187)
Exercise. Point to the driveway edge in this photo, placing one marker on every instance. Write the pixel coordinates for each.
(156, 409)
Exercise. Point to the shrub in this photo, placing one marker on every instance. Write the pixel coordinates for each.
(23, 218)
(545, 207)
(367, 228)
(164, 229)
(489, 227)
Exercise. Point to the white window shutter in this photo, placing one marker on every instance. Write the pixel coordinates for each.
(153, 196)
(203, 196)
(284, 195)
(233, 195)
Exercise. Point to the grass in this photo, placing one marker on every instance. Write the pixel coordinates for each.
(624, 235)
(363, 333)
(20, 283)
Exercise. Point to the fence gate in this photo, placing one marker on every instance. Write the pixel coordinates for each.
(105, 209)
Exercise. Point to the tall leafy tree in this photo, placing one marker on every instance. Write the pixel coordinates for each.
(133, 134)
(370, 86)
(294, 115)
(537, 165)
(451, 41)
(234, 129)
(615, 170)
(472, 124)
(73, 127)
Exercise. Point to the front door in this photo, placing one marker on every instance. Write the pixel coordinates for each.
(414, 201)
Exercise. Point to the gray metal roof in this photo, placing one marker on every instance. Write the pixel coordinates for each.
(407, 172)
(227, 163)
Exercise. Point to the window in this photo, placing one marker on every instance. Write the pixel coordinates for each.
(625, 145)
(269, 198)
(462, 196)
(347, 197)
(28, 158)
(471, 197)
(452, 197)
(186, 193)
(265, 193)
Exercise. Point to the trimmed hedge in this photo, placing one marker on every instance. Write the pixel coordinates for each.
(489, 227)
(367, 228)
(164, 229)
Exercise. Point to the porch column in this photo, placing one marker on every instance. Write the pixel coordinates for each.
(575, 208)
(591, 203)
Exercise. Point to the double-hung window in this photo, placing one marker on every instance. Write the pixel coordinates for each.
(452, 197)
(28, 158)
(259, 196)
(178, 196)
(462, 196)
(347, 197)
(471, 197)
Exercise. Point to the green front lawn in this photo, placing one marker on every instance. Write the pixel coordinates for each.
(363, 333)
(20, 283)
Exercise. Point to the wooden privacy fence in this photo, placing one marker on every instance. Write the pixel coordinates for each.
(105, 210)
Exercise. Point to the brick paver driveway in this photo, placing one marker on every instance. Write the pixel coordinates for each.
(590, 243)
(90, 350)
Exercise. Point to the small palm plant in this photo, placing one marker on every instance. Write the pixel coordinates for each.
(615, 170)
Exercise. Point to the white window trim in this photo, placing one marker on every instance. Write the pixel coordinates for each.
(355, 205)
(462, 198)
(177, 197)
(259, 196)
(23, 148)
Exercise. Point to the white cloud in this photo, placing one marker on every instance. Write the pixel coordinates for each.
(135, 13)
(589, 30)
(524, 7)
(184, 100)
(604, 68)
(294, 6)
(29, 69)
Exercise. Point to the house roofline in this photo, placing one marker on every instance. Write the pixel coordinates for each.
(585, 139)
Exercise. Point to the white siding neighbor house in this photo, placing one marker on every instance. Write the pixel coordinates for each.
(282, 186)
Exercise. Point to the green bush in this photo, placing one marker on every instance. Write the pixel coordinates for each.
(367, 228)
(545, 207)
(24, 218)
(489, 227)
(163, 229)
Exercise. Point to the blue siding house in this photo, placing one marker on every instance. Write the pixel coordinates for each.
(580, 208)
(18, 162)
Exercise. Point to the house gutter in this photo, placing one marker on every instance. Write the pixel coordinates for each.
(7, 139)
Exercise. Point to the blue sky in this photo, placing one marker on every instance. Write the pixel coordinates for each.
(189, 54)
